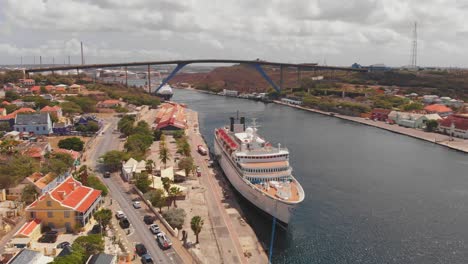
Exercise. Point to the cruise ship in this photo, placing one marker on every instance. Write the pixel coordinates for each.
(258, 170)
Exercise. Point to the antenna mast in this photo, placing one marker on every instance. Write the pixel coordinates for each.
(414, 49)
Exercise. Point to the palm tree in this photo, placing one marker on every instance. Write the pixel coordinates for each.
(164, 155)
(196, 224)
(166, 183)
(149, 166)
(173, 193)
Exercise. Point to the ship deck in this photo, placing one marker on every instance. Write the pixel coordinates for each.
(272, 191)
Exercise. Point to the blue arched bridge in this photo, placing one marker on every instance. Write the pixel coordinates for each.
(257, 64)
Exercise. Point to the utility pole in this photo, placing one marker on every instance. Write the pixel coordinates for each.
(40, 61)
(68, 60)
(82, 57)
(414, 48)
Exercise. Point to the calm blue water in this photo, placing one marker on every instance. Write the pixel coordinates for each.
(371, 196)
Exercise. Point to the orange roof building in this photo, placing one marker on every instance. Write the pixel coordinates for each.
(171, 116)
(68, 205)
(36, 89)
(440, 109)
(53, 111)
(31, 229)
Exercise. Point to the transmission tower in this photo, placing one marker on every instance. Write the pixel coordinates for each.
(414, 48)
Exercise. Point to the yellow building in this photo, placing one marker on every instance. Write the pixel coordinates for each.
(69, 205)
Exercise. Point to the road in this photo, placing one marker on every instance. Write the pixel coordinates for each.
(107, 141)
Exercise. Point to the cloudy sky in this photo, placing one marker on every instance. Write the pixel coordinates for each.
(333, 31)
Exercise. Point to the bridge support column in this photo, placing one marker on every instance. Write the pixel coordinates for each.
(149, 79)
(281, 77)
(126, 77)
(299, 77)
(171, 75)
(259, 68)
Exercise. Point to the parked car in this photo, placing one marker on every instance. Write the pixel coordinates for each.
(148, 219)
(47, 238)
(107, 174)
(63, 244)
(146, 259)
(163, 241)
(155, 229)
(124, 223)
(137, 205)
(140, 249)
(119, 215)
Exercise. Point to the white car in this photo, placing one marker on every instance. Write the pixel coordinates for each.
(137, 205)
(154, 229)
(119, 215)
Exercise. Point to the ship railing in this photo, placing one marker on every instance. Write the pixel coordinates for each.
(263, 151)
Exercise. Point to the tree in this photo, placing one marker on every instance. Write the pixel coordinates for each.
(178, 134)
(29, 194)
(158, 199)
(196, 224)
(164, 155)
(11, 96)
(70, 108)
(57, 163)
(95, 183)
(173, 193)
(91, 244)
(166, 183)
(15, 169)
(186, 164)
(92, 126)
(10, 108)
(175, 217)
(4, 126)
(73, 143)
(143, 182)
(413, 106)
(103, 216)
(431, 125)
(183, 147)
(112, 160)
(157, 134)
(149, 166)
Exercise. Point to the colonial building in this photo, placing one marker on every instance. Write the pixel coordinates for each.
(55, 111)
(69, 205)
(439, 109)
(171, 116)
(455, 126)
(38, 123)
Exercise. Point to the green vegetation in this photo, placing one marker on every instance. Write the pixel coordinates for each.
(164, 154)
(103, 216)
(95, 183)
(120, 109)
(431, 125)
(73, 143)
(388, 101)
(112, 160)
(11, 76)
(86, 103)
(125, 125)
(82, 249)
(183, 147)
(196, 224)
(130, 95)
(11, 96)
(11, 108)
(413, 106)
(157, 135)
(29, 194)
(173, 193)
(90, 127)
(186, 164)
(143, 182)
(158, 199)
(71, 108)
(175, 217)
(57, 163)
(39, 101)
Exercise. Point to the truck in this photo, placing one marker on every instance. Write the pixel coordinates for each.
(201, 150)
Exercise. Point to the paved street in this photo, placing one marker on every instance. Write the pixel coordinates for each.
(118, 192)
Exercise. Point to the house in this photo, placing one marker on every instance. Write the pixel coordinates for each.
(12, 135)
(42, 183)
(439, 109)
(54, 111)
(27, 82)
(74, 154)
(30, 229)
(132, 166)
(380, 114)
(62, 128)
(21, 103)
(108, 104)
(60, 90)
(2, 93)
(171, 116)
(48, 97)
(455, 126)
(50, 88)
(36, 90)
(38, 123)
(410, 119)
(36, 150)
(3, 111)
(429, 99)
(69, 205)
(75, 89)
(28, 256)
(102, 258)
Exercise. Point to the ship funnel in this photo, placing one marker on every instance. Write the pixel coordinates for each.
(242, 121)
(232, 124)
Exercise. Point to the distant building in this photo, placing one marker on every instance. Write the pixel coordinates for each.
(439, 109)
(30, 229)
(291, 101)
(27, 256)
(75, 89)
(132, 166)
(455, 126)
(36, 89)
(380, 114)
(171, 116)
(37, 123)
(55, 111)
(378, 68)
(411, 120)
(69, 205)
(27, 82)
(227, 92)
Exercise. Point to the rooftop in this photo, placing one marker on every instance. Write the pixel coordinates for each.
(32, 119)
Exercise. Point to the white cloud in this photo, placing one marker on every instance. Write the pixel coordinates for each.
(368, 31)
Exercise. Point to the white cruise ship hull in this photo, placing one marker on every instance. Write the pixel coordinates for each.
(279, 209)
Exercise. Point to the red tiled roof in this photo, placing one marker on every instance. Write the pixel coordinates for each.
(28, 227)
(19, 111)
(50, 87)
(6, 103)
(459, 121)
(33, 152)
(47, 108)
(437, 108)
(74, 154)
(71, 193)
(35, 89)
(170, 114)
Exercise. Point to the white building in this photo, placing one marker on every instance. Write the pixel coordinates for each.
(227, 92)
(429, 99)
(131, 167)
(412, 120)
